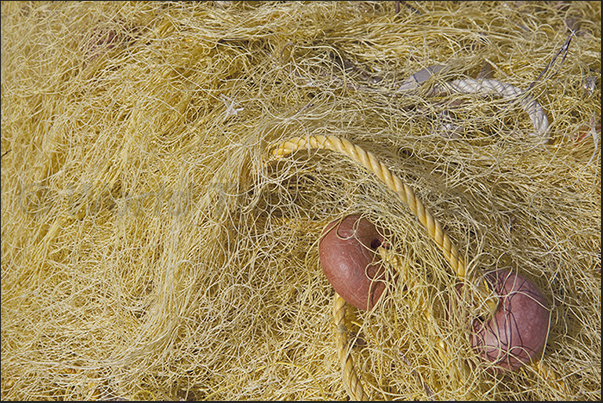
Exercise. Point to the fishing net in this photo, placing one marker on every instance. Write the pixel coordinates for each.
(157, 246)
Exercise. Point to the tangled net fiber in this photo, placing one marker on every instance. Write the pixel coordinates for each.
(156, 246)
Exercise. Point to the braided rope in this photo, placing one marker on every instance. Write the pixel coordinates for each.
(404, 192)
(462, 86)
(350, 378)
(504, 90)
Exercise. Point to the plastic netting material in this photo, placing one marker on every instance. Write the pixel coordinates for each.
(151, 249)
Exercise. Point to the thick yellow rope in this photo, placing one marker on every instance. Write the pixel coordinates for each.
(407, 195)
(404, 192)
(350, 378)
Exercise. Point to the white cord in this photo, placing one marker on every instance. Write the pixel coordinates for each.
(498, 88)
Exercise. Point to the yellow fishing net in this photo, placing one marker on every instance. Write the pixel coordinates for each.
(155, 246)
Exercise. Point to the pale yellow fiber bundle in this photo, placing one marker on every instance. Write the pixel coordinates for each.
(153, 248)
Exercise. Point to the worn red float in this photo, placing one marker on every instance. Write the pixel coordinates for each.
(518, 330)
(349, 259)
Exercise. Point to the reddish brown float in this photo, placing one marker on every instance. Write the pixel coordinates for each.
(517, 332)
(349, 259)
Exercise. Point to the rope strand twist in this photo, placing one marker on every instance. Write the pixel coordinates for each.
(350, 378)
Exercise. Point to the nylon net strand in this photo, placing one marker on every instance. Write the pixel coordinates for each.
(149, 251)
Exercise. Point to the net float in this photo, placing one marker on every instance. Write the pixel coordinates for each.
(518, 330)
(350, 261)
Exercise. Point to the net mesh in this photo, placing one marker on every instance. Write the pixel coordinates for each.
(153, 249)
